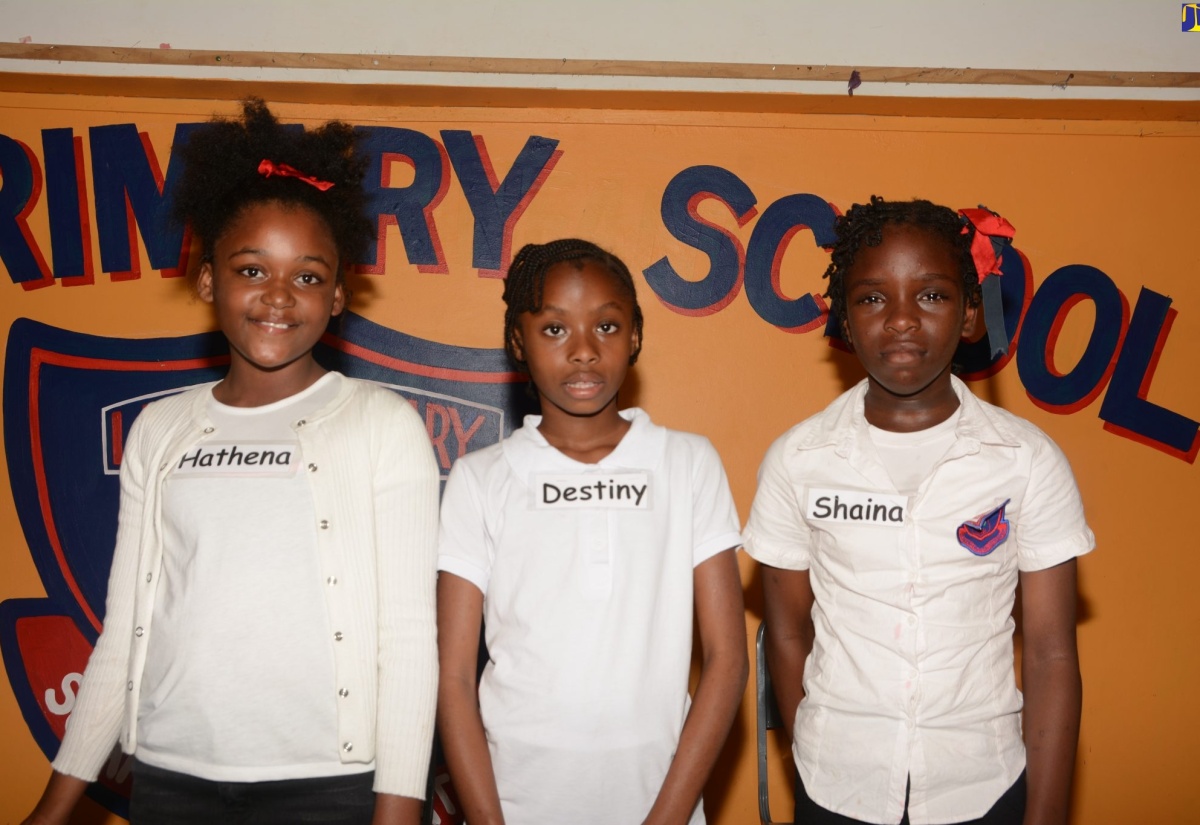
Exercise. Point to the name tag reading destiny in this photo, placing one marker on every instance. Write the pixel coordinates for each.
(225, 460)
(856, 507)
(610, 491)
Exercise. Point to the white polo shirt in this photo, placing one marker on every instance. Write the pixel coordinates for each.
(586, 571)
(911, 671)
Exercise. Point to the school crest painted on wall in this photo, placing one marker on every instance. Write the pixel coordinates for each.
(69, 402)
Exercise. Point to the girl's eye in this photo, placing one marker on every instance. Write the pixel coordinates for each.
(869, 299)
(936, 296)
(608, 327)
(553, 329)
(308, 278)
(250, 271)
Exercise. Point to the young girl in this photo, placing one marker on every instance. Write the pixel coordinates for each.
(269, 644)
(587, 541)
(895, 526)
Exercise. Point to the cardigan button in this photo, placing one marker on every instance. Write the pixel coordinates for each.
(208, 430)
(301, 423)
(343, 693)
(312, 468)
(347, 746)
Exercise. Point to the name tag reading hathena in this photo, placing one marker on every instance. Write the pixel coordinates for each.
(856, 507)
(611, 491)
(230, 459)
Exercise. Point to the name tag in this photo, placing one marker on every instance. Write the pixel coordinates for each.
(855, 507)
(610, 491)
(229, 459)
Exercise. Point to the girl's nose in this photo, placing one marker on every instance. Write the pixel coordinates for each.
(277, 294)
(902, 317)
(584, 351)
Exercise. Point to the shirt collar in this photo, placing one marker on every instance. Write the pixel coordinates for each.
(642, 448)
(844, 424)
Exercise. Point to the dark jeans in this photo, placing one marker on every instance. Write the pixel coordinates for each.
(168, 798)
(1008, 810)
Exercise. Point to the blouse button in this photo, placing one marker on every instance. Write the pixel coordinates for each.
(208, 430)
(331, 581)
(337, 636)
(129, 686)
(301, 423)
(347, 746)
(312, 468)
(137, 631)
(149, 576)
(324, 524)
(343, 693)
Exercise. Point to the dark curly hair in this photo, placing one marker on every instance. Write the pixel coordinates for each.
(221, 178)
(526, 281)
(863, 224)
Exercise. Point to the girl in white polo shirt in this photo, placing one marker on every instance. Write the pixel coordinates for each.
(269, 645)
(588, 542)
(894, 527)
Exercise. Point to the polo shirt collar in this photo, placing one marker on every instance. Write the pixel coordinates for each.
(844, 424)
(642, 448)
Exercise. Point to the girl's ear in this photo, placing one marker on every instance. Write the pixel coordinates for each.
(204, 282)
(970, 320)
(635, 348)
(846, 335)
(339, 299)
(518, 345)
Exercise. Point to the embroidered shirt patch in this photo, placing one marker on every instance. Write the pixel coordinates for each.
(983, 535)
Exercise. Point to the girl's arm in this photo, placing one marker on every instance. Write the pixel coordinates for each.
(787, 610)
(1053, 690)
(58, 800)
(722, 621)
(391, 809)
(460, 615)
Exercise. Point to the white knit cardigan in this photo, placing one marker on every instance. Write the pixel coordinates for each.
(375, 495)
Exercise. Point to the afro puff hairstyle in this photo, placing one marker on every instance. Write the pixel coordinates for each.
(526, 281)
(221, 178)
(863, 224)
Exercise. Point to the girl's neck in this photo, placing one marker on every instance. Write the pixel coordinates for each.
(586, 439)
(909, 414)
(244, 386)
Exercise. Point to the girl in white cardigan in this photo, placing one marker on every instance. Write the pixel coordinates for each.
(269, 646)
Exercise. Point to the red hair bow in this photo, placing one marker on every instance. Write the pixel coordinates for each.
(992, 232)
(266, 168)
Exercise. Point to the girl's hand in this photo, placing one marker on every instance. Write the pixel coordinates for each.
(58, 800)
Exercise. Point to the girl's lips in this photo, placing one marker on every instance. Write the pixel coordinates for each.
(272, 326)
(583, 387)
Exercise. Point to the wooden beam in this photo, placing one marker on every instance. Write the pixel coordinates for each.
(595, 68)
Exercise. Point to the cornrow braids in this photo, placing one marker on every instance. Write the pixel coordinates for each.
(526, 281)
(863, 225)
(221, 177)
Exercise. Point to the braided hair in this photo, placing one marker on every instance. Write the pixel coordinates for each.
(221, 177)
(863, 225)
(526, 281)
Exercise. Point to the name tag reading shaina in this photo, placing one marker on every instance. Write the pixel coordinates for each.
(227, 459)
(612, 491)
(856, 507)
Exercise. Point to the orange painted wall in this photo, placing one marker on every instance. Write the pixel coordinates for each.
(1111, 187)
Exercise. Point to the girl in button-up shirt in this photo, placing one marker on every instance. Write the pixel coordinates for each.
(894, 527)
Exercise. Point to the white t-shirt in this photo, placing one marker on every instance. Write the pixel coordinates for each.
(911, 673)
(587, 576)
(240, 669)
